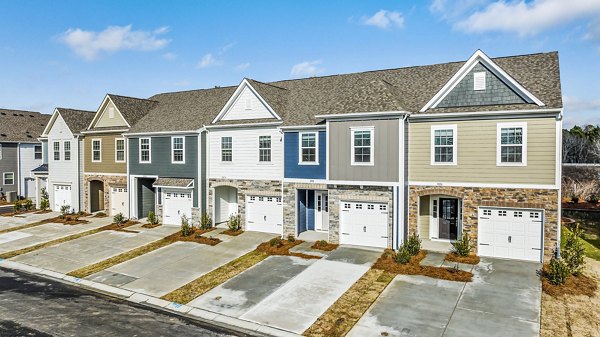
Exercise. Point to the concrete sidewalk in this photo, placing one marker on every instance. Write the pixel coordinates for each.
(7, 222)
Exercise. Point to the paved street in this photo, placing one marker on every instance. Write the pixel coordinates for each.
(31, 306)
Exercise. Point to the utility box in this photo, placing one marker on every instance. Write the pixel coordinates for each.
(11, 196)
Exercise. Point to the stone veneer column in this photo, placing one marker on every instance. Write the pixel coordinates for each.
(108, 182)
(289, 210)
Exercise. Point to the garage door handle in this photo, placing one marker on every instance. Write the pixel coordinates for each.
(484, 218)
(365, 229)
(345, 233)
(509, 239)
(536, 248)
(484, 244)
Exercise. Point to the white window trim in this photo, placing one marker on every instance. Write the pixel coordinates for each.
(435, 128)
(499, 127)
(124, 150)
(270, 161)
(54, 150)
(173, 150)
(4, 178)
(149, 150)
(362, 128)
(316, 162)
(99, 140)
(221, 150)
(64, 150)
(34, 153)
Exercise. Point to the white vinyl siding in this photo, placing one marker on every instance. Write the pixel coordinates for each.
(511, 144)
(264, 148)
(96, 150)
(309, 145)
(443, 145)
(177, 150)
(8, 178)
(67, 150)
(120, 150)
(56, 150)
(247, 106)
(226, 149)
(362, 145)
(145, 150)
(37, 152)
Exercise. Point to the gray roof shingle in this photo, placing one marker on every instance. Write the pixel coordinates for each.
(21, 126)
(77, 120)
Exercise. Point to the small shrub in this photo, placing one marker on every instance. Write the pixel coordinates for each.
(81, 213)
(65, 209)
(152, 218)
(463, 246)
(28, 204)
(403, 255)
(557, 271)
(234, 223)
(593, 198)
(575, 199)
(45, 201)
(291, 238)
(275, 242)
(413, 244)
(17, 205)
(573, 253)
(119, 219)
(186, 229)
(205, 221)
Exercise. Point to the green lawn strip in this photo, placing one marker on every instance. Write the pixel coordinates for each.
(352, 305)
(592, 246)
(206, 282)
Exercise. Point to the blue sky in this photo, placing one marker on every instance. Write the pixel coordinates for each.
(70, 53)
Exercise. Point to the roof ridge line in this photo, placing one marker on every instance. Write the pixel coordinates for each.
(139, 99)
(266, 83)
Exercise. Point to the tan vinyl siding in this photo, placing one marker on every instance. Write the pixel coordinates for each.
(476, 147)
(108, 164)
(106, 121)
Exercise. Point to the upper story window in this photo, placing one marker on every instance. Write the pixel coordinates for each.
(362, 145)
(96, 150)
(308, 148)
(264, 148)
(37, 152)
(67, 150)
(479, 80)
(443, 145)
(178, 150)
(120, 150)
(8, 178)
(226, 149)
(56, 150)
(145, 156)
(511, 144)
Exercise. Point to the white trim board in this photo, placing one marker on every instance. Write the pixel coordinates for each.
(304, 181)
(102, 106)
(465, 184)
(367, 115)
(477, 57)
(244, 84)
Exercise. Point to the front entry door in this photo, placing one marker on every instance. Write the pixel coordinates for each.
(448, 220)
(322, 211)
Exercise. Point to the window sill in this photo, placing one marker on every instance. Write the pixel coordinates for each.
(443, 164)
(362, 164)
(511, 164)
(309, 163)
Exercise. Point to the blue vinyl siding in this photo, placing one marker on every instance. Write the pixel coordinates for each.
(301, 211)
(292, 169)
(310, 212)
(306, 210)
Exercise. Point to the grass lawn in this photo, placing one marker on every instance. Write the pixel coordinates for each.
(591, 241)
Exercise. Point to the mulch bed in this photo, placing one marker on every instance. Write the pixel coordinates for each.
(67, 220)
(18, 213)
(43, 211)
(388, 263)
(232, 233)
(150, 225)
(574, 285)
(196, 236)
(324, 246)
(581, 205)
(121, 227)
(283, 248)
(469, 259)
(100, 215)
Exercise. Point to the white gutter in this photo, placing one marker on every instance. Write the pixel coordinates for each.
(364, 114)
(104, 131)
(242, 125)
(485, 113)
(160, 133)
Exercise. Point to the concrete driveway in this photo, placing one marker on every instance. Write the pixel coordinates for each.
(88, 250)
(503, 300)
(7, 222)
(166, 269)
(288, 292)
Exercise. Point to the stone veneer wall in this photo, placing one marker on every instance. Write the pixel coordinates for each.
(290, 204)
(158, 212)
(338, 193)
(499, 197)
(271, 188)
(109, 181)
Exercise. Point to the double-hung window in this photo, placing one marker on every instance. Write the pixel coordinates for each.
(178, 150)
(308, 148)
(37, 152)
(120, 150)
(96, 150)
(264, 148)
(362, 145)
(67, 150)
(226, 149)
(511, 144)
(8, 178)
(443, 145)
(56, 150)
(145, 148)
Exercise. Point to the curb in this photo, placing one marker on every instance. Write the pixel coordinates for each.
(197, 314)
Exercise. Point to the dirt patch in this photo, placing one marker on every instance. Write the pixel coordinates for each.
(324, 246)
(100, 215)
(352, 305)
(388, 263)
(232, 233)
(469, 259)
(282, 247)
(573, 315)
(581, 205)
(150, 225)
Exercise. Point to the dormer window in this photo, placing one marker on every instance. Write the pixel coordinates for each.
(479, 80)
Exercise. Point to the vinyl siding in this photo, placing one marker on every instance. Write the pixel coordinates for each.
(8, 163)
(385, 151)
(105, 121)
(476, 147)
(238, 110)
(292, 152)
(108, 164)
(424, 214)
(245, 164)
(63, 172)
(28, 163)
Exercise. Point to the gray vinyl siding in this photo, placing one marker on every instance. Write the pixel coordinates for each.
(145, 197)
(385, 151)
(8, 163)
(203, 171)
(161, 160)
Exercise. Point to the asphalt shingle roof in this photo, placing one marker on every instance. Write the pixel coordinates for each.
(21, 126)
(132, 109)
(77, 120)
(173, 182)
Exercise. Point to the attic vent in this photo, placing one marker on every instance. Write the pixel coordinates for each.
(248, 104)
(3, 113)
(27, 132)
(31, 116)
(3, 134)
(14, 114)
(479, 80)
(29, 136)
(21, 115)
(111, 112)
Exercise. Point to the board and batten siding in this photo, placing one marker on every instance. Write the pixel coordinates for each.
(476, 147)
(245, 164)
(293, 169)
(385, 151)
(108, 164)
(161, 165)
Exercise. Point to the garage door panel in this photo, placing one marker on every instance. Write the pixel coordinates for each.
(119, 200)
(62, 196)
(264, 214)
(175, 205)
(363, 223)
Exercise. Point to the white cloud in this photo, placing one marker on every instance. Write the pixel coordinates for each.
(452, 9)
(307, 68)
(527, 18)
(90, 44)
(169, 56)
(385, 19)
(208, 60)
(579, 111)
(242, 66)
(593, 31)
(226, 48)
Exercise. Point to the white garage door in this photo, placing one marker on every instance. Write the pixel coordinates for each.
(62, 196)
(175, 205)
(364, 224)
(119, 201)
(510, 233)
(264, 214)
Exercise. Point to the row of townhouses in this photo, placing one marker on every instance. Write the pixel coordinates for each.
(359, 159)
